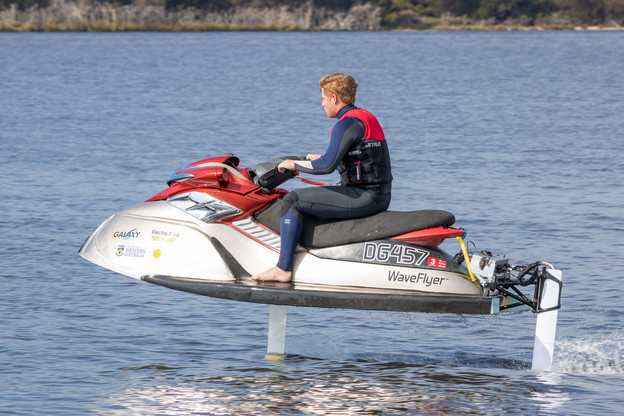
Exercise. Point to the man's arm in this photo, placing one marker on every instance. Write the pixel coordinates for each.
(344, 133)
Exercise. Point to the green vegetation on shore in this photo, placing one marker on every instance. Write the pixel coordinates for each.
(217, 15)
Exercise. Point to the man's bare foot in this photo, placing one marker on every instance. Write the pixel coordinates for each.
(274, 274)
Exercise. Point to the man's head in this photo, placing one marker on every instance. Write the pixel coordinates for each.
(342, 85)
(337, 90)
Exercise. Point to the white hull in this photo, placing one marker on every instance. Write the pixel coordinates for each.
(156, 238)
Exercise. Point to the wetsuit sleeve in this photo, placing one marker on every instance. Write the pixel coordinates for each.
(343, 135)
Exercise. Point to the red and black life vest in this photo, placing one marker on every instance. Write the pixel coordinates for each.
(367, 161)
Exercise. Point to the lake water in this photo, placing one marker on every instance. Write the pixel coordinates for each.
(520, 135)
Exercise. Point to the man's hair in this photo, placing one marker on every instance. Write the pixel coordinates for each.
(342, 85)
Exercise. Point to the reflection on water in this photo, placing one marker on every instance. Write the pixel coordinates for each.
(299, 386)
(549, 396)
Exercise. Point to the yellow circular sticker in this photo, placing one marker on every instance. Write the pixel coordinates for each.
(156, 253)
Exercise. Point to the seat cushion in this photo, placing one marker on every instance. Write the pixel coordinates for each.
(327, 233)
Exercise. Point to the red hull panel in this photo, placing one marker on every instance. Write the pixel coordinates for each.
(430, 237)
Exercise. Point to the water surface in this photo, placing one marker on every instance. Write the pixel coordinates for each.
(518, 134)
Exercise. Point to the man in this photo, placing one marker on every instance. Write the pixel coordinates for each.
(358, 149)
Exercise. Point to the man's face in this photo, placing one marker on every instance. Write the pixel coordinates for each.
(329, 104)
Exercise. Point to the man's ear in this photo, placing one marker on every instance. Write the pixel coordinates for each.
(335, 99)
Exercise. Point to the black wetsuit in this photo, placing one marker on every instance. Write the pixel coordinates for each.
(349, 200)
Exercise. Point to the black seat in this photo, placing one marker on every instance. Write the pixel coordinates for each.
(327, 233)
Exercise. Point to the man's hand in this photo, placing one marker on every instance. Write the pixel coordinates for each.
(313, 156)
(288, 164)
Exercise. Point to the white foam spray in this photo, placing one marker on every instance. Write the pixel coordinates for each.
(602, 354)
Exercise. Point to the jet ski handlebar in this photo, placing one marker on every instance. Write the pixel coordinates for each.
(268, 176)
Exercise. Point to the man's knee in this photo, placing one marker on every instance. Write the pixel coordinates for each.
(289, 200)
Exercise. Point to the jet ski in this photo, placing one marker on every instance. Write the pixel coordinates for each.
(217, 223)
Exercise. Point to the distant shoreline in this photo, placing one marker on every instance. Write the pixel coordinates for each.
(83, 16)
(214, 27)
(103, 27)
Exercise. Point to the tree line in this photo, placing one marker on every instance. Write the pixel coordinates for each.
(392, 14)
